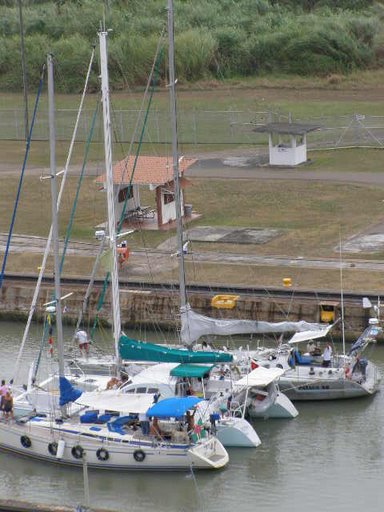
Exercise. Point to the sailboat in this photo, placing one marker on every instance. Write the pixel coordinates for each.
(110, 440)
(306, 378)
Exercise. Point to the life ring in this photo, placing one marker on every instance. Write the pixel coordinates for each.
(139, 455)
(77, 451)
(52, 448)
(25, 441)
(102, 454)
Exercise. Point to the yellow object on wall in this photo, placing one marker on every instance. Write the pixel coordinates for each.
(224, 301)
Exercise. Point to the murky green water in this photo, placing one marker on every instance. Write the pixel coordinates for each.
(330, 458)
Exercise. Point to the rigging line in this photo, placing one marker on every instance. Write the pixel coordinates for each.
(90, 286)
(151, 84)
(80, 181)
(26, 154)
(100, 303)
(48, 245)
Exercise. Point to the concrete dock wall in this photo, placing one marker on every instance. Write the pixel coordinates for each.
(154, 309)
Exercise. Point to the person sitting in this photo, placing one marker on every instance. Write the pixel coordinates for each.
(113, 383)
(311, 348)
(189, 390)
(154, 428)
(190, 419)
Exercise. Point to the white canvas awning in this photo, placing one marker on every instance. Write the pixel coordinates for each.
(259, 377)
(116, 401)
(310, 335)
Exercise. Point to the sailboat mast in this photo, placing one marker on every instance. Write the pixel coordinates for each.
(175, 157)
(55, 230)
(116, 322)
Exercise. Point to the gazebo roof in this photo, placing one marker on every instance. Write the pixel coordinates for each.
(287, 128)
(150, 170)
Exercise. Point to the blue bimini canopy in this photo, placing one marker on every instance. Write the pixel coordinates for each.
(67, 392)
(173, 407)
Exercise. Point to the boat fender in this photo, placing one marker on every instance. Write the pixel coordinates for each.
(139, 455)
(25, 441)
(102, 454)
(52, 448)
(347, 372)
(77, 451)
(60, 449)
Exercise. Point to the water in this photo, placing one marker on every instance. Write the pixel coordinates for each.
(331, 457)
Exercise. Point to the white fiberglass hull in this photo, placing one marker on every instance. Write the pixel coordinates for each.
(302, 383)
(113, 452)
(237, 433)
(282, 407)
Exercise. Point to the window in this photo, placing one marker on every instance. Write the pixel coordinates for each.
(168, 198)
(141, 390)
(153, 390)
(123, 193)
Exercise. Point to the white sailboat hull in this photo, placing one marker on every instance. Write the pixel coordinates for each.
(34, 441)
(282, 407)
(237, 433)
(328, 383)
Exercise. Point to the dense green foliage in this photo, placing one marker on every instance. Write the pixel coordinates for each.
(215, 39)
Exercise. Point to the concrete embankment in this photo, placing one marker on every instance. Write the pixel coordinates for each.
(26, 506)
(156, 308)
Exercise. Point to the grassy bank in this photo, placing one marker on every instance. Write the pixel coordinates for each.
(215, 40)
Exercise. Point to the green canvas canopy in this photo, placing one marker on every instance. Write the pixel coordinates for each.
(191, 370)
(134, 350)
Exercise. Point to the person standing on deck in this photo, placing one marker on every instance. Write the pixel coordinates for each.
(327, 356)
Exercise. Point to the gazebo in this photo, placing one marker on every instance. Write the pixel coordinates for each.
(287, 142)
(155, 172)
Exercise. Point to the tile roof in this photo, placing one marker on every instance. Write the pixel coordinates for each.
(155, 170)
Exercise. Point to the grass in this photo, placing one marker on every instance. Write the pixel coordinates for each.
(311, 215)
(34, 211)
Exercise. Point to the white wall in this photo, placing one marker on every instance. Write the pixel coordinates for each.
(132, 203)
(169, 210)
(294, 155)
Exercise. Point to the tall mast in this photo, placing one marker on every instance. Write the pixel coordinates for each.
(175, 157)
(55, 230)
(116, 323)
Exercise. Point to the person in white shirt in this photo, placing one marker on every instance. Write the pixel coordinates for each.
(82, 339)
(327, 356)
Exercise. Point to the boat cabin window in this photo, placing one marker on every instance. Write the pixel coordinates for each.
(141, 390)
(132, 390)
(153, 390)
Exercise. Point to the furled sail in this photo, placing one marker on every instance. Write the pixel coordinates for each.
(194, 325)
(134, 350)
